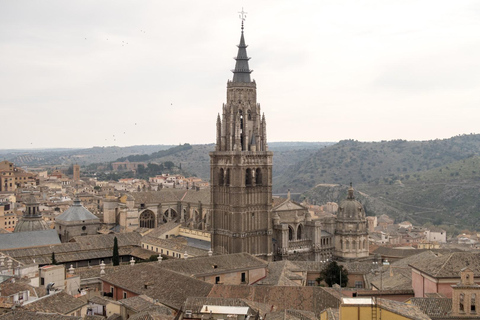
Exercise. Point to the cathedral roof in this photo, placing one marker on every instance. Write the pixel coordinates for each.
(241, 73)
(76, 212)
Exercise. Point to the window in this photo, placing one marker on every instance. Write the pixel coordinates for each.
(248, 177)
(111, 290)
(258, 177)
(358, 284)
(124, 295)
(311, 283)
(221, 177)
(472, 303)
(42, 281)
(461, 303)
(244, 277)
(217, 280)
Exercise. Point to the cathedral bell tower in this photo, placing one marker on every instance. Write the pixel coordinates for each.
(241, 169)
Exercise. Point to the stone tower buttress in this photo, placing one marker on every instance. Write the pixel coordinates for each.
(241, 170)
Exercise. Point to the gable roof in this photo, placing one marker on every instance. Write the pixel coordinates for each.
(197, 266)
(280, 273)
(60, 302)
(449, 265)
(314, 298)
(29, 315)
(433, 307)
(169, 287)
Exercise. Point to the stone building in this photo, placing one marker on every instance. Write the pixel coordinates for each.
(351, 234)
(150, 209)
(465, 295)
(296, 236)
(32, 219)
(241, 170)
(76, 221)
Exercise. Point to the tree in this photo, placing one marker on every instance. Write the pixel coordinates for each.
(331, 274)
(54, 261)
(116, 256)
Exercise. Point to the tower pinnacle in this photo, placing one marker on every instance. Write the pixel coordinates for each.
(241, 73)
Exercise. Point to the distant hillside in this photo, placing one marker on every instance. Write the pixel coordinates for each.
(363, 162)
(447, 195)
(65, 157)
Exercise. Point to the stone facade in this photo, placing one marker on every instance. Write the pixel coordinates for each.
(297, 237)
(241, 170)
(351, 234)
(466, 296)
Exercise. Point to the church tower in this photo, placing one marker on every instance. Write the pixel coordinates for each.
(351, 233)
(241, 169)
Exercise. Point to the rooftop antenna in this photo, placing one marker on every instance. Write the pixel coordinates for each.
(242, 16)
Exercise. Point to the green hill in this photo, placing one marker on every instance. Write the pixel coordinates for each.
(371, 162)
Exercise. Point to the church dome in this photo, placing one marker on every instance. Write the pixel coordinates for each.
(32, 219)
(76, 212)
(350, 208)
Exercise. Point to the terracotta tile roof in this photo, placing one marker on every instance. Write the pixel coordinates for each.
(313, 299)
(138, 279)
(433, 307)
(280, 274)
(151, 315)
(59, 302)
(449, 266)
(214, 264)
(29, 315)
(162, 229)
(144, 303)
(8, 288)
(404, 309)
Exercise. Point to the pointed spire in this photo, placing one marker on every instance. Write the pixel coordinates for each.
(241, 73)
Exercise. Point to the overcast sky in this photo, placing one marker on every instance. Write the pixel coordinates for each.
(78, 73)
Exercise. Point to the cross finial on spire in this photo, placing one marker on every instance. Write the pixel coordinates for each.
(242, 16)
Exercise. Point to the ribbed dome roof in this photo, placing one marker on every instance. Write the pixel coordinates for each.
(31, 224)
(350, 208)
(76, 212)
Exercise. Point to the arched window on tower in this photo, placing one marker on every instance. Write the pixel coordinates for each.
(290, 233)
(249, 115)
(299, 232)
(258, 177)
(364, 244)
(221, 177)
(248, 177)
(241, 128)
(227, 178)
(347, 245)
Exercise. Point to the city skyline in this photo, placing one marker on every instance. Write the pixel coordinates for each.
(81, 74)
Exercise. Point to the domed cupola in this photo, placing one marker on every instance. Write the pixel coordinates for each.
(351, 208)
(351, 235)
(32, 219)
